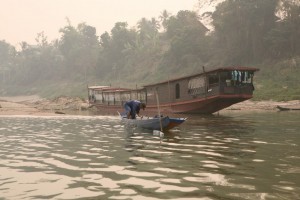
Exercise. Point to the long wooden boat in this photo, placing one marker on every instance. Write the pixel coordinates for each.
(153, 123)
(201, 93)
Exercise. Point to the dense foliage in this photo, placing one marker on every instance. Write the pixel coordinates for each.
(258, 33)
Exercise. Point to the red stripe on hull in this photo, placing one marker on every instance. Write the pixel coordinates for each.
(207, 105)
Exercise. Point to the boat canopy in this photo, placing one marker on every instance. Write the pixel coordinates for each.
(213, 71)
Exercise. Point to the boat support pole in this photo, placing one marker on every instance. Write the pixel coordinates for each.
(158, 110)
(161, 134)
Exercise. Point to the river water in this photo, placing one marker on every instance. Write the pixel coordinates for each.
(231, 156)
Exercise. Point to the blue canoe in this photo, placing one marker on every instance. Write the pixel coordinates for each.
(153, 123)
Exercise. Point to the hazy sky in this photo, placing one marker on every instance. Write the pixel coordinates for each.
(21, 20)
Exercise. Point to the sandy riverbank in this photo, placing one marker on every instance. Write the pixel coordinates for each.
(34, 105)
(263, 105)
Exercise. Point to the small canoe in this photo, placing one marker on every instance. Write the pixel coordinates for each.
(153, 123)
(286, 108)
(175, 122)
(148, 123)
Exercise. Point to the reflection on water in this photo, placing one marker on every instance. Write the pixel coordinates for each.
(241, 156)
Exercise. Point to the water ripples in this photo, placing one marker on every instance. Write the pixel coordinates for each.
(96, 157)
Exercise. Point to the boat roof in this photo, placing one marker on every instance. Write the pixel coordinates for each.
(108, 89)
(112, 89)
(98, 87)
(239, 68)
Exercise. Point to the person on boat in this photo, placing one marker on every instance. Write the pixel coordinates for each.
(132, 108)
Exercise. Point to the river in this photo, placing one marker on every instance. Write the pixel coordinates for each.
(235, 155)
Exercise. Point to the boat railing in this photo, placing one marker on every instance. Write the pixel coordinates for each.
(242, 88)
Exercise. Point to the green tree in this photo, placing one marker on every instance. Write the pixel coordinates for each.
(90, 48)
(188, 41)
(148, 29)
(164, 18)
(284, 39)
(7, 53)
(34, 63)
(240, 27)
(80, 47)
(69, 46)
(7, 57)
(112, 57)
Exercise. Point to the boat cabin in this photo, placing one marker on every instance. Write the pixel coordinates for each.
(222, 81)
(106, 95)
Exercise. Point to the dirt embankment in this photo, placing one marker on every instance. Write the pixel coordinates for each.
(264, 105)
(61, 103)
(34, 105)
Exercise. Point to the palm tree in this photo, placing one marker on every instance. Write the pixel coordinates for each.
(164, 17)
(155, 24)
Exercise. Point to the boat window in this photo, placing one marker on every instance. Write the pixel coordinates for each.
(177, 91)
(117, 97)
(142, 95)
(225, 76)
(241, 77)
(125, 96)
(134, 95)
(196, 85)
(213, 79)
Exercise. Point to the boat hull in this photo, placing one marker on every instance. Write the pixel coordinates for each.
(174, 122)
(150, 123)
(207, 105)
(163, 123)
(288, 108)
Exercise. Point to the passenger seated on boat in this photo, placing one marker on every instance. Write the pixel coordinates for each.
(132, 108)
